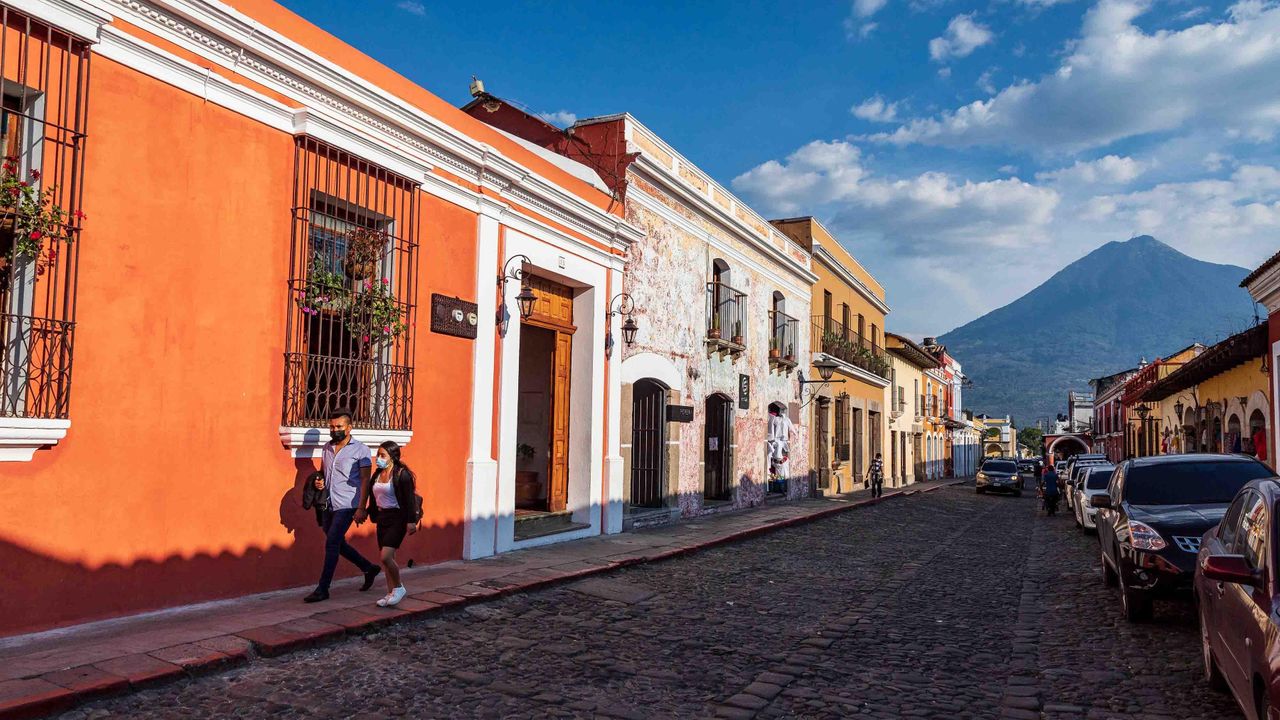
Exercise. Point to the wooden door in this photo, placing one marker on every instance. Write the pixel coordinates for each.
(858, 455)
(822, 443)
(558, 492)
(717, 454)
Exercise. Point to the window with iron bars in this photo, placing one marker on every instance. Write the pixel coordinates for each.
(42, 120)
(842, 430)
(352, 290)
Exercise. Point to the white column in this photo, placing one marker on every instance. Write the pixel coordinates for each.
(611, 498)
(480, 532)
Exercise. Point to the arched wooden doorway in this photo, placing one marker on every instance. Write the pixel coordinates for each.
(717, 458)
(648, 443)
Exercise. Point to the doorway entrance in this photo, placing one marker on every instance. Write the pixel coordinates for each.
(542, 425)
(822, 442)
(648, 443)
(718, 449)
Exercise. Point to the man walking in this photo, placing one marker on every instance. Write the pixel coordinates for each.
(876, 473)
(346, 463)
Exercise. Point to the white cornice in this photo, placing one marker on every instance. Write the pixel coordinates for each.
(222, 35)
(308, 442)
(826, 258)
(1266, 289)
(77, 18)
(21, 437)
(666, 179)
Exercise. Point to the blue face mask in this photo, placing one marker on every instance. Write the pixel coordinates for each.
(383, 463)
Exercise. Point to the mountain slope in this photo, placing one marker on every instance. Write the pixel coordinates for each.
(1096, 316)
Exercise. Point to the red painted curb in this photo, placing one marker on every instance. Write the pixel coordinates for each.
(64, 689)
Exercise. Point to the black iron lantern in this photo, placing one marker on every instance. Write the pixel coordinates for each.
(621, 304)
(1143, 411)
(1177, 409)
(526, 298)
(826, 368)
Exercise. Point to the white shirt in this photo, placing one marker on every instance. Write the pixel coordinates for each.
(385, 495)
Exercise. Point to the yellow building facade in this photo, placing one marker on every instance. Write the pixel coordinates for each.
(908, 419)
(850, 413)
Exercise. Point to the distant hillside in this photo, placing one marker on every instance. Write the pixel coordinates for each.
(1098, 315)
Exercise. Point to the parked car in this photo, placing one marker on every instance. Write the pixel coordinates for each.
(1060, 467)
(998, 474)
(1236, 588)
(1154, 515)
(1093, 481)
(1027, 470)
(1075, 463)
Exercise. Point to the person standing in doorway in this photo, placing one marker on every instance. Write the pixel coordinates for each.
(393, 505)
(876, 473)
(346, 463)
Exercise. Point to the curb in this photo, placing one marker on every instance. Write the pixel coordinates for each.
(62, 690)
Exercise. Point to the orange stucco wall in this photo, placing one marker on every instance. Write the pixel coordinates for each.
(171, 485)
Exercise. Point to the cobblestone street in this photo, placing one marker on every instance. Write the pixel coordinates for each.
(947, 605)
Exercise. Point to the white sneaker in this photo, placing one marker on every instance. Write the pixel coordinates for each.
(396, 596)
(383, 601)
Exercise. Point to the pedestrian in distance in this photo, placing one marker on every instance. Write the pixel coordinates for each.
(876, 473)
(346, 464)
(396, 508)
(1049, 490)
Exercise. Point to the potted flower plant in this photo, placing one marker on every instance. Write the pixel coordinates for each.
(324, 290)
(737, 333)
(774, 350)
(365, 249)
(790, 355)
(714, 332)
(29, 219)
(374, 314)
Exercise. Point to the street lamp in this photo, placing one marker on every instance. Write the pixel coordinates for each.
(826, 368)
(621, 304)
(526, 297)
(1177, 410)
(1143, 411)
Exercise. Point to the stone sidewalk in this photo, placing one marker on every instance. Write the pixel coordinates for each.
(52, 671)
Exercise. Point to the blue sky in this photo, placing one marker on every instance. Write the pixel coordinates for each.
(962, 151)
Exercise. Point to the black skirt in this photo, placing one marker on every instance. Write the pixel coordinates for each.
(392, 527)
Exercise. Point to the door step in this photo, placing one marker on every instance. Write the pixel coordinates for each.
(535, 525)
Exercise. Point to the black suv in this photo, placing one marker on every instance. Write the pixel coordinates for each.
(998, 474)
(1152, 518)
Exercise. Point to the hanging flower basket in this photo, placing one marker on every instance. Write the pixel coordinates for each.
(365, 249)
(375, 316)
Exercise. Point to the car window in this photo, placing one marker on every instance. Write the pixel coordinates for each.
(1229, 526)
(1116, 488)
(1199, 482)
(1000, 466)
(1251, 540)
(1098, 478)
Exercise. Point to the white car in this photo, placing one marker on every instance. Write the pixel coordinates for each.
(1094, 480)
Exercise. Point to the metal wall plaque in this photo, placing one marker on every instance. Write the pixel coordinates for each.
(744, 392)
(680, 413)
(453, 316)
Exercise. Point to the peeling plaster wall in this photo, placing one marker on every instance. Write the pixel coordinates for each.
(666, 275)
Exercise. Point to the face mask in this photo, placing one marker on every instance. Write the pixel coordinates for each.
(338, 435)
(383, 463)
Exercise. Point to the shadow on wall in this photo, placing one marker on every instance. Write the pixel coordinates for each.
(41, 592)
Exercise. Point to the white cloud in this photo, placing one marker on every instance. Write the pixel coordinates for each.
(562, 118)
(932, 213)
(1214, 161)
(984, 82)
(413, 7)
(1042, 3)
(1119, 81)
(867, 8)
(962, 37)
(1108, 170)
(875, 109)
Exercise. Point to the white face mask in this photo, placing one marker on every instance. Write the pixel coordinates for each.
(383, 463)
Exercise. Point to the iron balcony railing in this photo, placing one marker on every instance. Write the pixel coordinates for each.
(726, 313)
(35, 366)
(835, 339)
(782, 335)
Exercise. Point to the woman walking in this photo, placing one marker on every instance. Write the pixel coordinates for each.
(394, 507)
(1049, 490)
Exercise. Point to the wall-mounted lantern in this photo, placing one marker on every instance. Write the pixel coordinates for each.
(524, 300)
(623, 305)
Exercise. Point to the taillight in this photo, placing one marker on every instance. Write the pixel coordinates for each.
(1143, 537)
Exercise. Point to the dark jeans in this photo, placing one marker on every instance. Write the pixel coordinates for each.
(336, 524)
(877, 486)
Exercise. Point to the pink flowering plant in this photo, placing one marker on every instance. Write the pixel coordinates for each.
(369, 310)
(36, 221)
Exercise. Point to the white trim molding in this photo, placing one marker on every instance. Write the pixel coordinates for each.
(308, 442)
(21, 437)
(835, 266)
(1266, 289)
(77, 18)
(652, 365)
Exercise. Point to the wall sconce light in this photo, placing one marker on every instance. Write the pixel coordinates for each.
(1177, 410)
(526, 297)
(1243, 400)
(826, 368)
(1143, 411)
(623, 305)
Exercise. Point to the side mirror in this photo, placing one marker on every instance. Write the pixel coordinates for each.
(1100, 501)
(1229, 568)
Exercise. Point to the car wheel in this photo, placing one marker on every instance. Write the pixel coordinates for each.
(1017, 493)
(1109, 577)
(1135, 603)
(1212, 675)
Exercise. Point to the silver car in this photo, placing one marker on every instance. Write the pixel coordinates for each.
(1093, 481)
